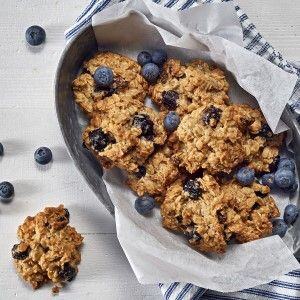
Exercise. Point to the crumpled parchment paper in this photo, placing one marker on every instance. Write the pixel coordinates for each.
(211, 32)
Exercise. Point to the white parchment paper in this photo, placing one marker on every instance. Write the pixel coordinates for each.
(211, 32)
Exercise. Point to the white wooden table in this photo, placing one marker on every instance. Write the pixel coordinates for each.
(28, 120)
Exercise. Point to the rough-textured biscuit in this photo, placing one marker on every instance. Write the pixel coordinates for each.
(154, 177)
(210, 214)
(219, 138)
(127, 80)
(185, 87)
(124, 135)
(48, 248)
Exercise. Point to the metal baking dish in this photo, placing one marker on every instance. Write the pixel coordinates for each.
(72, 120)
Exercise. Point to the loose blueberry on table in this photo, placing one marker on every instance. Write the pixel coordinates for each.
(144, 205)
(6, 191)
(35, 35)
(43, 155)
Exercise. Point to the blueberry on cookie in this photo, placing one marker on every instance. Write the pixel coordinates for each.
(104, 77)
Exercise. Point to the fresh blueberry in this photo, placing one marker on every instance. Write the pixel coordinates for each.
(284, 178)
(159, 57)
(144, 58)
(1, 150)
(291, 213)
(100, 140)
(144, 205)
(6, 191)
(35, 35)
(279, 227)
(143, 122)
(193, 189)
(150, 72)
(169, 99)
(245, 176)
(43, 155)
(286, 163)
(268, 179)
(171, 121)
(104, 77)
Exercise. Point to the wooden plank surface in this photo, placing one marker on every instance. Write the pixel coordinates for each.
(28, 121)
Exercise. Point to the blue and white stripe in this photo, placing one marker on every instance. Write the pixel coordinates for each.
(286, 287)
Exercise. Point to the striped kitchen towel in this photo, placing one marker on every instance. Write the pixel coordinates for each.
(286, 287)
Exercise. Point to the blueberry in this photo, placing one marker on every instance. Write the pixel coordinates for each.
(286, 163)
(18, 253)
(279, 227)
(169, 99)
(143, 122)
(171, 121)
(6, 191)
(284, 178)
(100, 140)
(104, 77)
(1, 150)
(193, 189)
(211, 116)
(266, 132)
(159, 57)
(291, 213)
(144, 204)
(268, 179)
(292, 189)
(245, 176)
(35, 35)
(43, 155)
(67, 273)
(150, 72)
(144, 58)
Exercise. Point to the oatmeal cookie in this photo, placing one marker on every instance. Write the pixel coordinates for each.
(219, 137)
(124, 136)
(48, 248)
(210, 214)
(153, 177)
(127, 80)
(185, 87)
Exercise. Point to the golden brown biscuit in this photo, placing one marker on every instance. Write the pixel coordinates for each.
(48, 248)
(185, 87)
(210, 214)
(127, 80)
